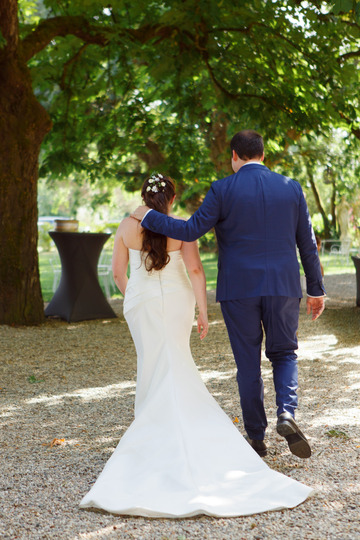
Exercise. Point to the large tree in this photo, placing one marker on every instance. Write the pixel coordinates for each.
(132, 86)
(328, 168)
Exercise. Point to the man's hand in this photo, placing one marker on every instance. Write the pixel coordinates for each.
(315, 306)
(140, 212)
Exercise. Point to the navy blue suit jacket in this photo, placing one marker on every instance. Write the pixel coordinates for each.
(259, 218)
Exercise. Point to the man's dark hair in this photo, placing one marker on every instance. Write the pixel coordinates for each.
(247, 144)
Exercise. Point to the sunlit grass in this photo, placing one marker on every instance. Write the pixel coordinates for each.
(209, 261)
(332, 265)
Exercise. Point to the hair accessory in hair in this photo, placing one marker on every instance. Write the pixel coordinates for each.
(157, 183)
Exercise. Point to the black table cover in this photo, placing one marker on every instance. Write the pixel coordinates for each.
(356, 261)
(79, 296)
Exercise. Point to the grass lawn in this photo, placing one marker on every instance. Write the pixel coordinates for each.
(50, 261)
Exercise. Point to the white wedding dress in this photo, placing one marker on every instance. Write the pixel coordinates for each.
(182, 455)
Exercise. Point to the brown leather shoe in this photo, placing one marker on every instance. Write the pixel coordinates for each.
(258, 446)
(298, 443)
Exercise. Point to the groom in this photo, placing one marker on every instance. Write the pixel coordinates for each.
(260, 218)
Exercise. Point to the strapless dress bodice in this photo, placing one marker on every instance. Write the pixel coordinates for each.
(144, 285)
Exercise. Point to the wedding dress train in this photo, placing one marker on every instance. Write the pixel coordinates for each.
(182, 455)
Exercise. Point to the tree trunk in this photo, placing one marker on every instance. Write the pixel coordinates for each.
(220, 153)
(333, 201)
(23, 126)
(327, 226)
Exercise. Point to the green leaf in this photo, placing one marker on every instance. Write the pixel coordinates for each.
(33, 379)
(336, 433)
(343, 6)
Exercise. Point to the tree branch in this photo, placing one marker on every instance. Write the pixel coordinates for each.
(354, 131)
(69, 63)
(241, 95)
(244, 30)
(49, 29)
(247, 29)
(351, 54)
(80, 27)
(316, 194)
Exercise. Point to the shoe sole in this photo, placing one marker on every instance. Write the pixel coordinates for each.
(298, 444)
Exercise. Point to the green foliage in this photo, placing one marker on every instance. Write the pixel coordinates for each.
(207, 243)
(318, 224)
(349, 8)
(44, 240)
(96, 205)
(155, 100)
(331, 162)
(150, 99)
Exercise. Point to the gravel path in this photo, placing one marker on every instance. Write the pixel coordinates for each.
(67, 394)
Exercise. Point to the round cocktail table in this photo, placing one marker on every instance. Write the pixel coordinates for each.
(79, 296)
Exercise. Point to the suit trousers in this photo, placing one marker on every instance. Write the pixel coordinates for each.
(246, 320)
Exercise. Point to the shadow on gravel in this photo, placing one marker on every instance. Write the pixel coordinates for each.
(67, 395)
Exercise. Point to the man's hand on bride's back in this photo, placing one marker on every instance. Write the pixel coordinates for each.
(140, 212)
(202, 325)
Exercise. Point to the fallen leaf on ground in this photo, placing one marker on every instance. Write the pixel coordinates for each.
(55, 442)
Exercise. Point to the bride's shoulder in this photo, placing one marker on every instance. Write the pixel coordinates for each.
(128, 223)
(127, 228)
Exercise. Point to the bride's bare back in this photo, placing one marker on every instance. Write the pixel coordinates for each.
(131, 234)
(128, 236)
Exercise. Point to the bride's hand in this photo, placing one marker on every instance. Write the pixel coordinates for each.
(202, 325)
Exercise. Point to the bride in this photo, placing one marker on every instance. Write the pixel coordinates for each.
(182, 456)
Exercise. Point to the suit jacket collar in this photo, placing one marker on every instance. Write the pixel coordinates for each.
(251, 166)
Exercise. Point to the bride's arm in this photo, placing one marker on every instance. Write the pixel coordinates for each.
(120, 261)
(191, 256)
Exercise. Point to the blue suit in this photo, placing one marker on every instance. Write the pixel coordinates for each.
(260, 218)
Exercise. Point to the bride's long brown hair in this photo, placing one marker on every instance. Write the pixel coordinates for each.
(157, 192)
